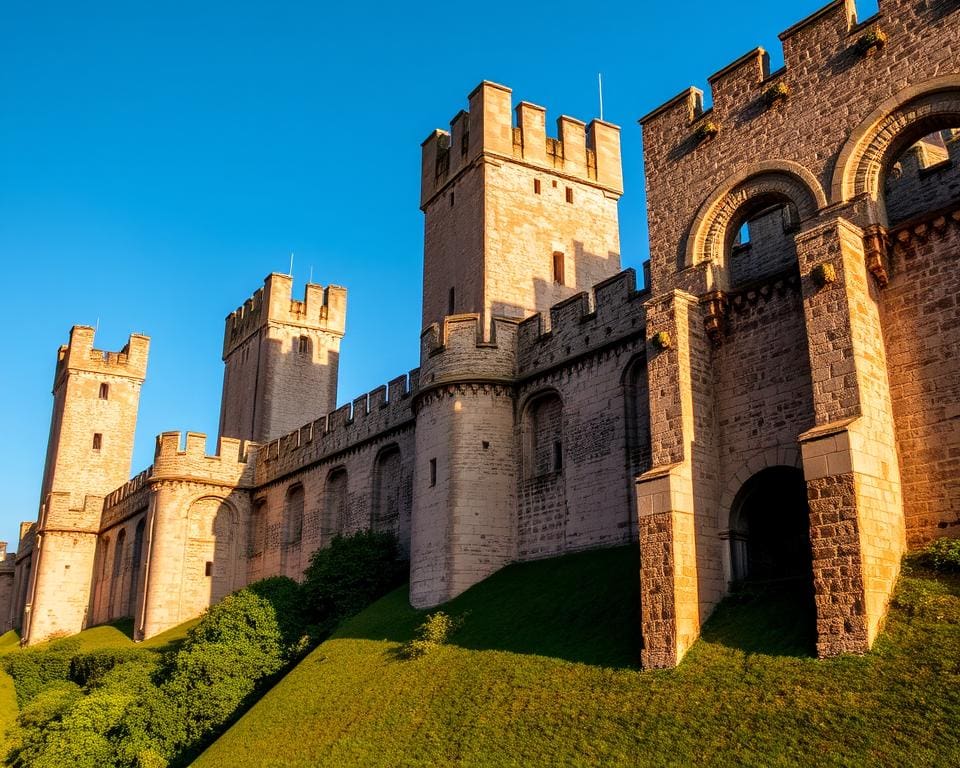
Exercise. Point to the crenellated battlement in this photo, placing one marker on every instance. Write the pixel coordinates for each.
(132, 486)
(455, 350)
(831, 35)
(231, 465)
(611, 311)
(587, 152)
(386, 408)
(322, 308)
(79, 354)
(60, 513)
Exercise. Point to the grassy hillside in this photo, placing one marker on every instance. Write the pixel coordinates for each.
(544, 672)
(8, 695)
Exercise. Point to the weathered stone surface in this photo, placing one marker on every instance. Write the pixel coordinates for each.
(556, 407)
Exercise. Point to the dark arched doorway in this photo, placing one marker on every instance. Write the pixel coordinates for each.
(770, 529)
(772, 565)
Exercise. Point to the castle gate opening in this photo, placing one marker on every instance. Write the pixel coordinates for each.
(770, 530)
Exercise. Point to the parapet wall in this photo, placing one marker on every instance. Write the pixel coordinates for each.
(79, 354)
(583, 323)
(454, 351)
(60, 515)
(322, 308)
(379, 411)
(130, 497)
(232, 465)
(587, 152)
(27, 535)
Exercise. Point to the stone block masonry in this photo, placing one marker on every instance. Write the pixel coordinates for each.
(779, 404)
(800, 158)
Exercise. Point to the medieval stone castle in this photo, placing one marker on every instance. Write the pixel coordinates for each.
(780, 400)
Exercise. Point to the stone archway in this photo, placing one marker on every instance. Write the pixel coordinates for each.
(888, 130)
(773, 589)
(743, 192)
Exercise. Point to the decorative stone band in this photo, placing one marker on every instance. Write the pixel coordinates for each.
(717, 304)
(920, 230)
(487, 388)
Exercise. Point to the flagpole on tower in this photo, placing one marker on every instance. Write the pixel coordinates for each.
(600, 89)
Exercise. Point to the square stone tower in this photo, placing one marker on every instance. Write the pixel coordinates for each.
(516, 221)
(281, 359)
(96, 396)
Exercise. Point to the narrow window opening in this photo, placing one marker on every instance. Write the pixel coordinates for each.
(104, 391)
(554, 183)
(433, 472)
(558, 456)
(569, 195)
(451, 301)
(536, 186)
(97, 441)
(453, 197)
(558, 267)
(208, 569)
(304, 345)
(486, 445)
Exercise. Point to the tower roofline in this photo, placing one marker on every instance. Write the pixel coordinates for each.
(588, 153)
(323, 308)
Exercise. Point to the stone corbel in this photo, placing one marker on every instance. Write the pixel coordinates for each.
(714, 314)
(875, 243)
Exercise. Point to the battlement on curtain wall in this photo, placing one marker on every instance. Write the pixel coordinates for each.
(380, 411)
(583, 323)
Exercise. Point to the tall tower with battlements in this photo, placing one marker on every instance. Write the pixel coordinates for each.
(516, 221)
(281, 359)
(96, 396)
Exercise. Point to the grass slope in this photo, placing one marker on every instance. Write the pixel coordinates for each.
(544, 672)
(9, 641)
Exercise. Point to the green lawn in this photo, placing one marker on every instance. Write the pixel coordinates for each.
(544, 672)
(118, 634)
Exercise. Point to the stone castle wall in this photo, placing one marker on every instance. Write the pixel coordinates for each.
(800, 317)
(822, 134)
(582, 367)
(7, 587)
(921, 324)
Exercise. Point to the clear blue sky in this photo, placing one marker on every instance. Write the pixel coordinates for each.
(157, 160)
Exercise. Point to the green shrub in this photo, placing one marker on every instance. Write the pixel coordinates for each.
(32, 670)
(351, 573)
(236, 645)
(51, 703)
(927, 599)
(88, 668)
(151, 732)
(434, 632)
(942, 555)
(286, 597)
